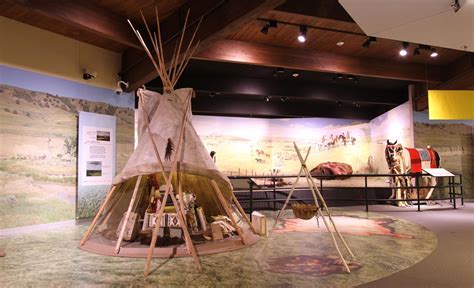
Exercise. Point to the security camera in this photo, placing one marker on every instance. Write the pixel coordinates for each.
(89, 74)
(119, 89)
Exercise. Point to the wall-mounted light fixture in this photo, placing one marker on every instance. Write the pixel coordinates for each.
(268, 25)
(302, 34)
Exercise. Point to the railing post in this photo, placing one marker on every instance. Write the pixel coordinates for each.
(250, 196)
(417, 182)
(366, 195)
(460, 188)
(450, 190)
(454, 191)
(274, 193)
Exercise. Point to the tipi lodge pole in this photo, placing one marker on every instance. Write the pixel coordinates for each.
(127, 216)
(241, 210)
(227, 210)
(101, 209)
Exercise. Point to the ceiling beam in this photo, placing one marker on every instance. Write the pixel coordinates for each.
(329, 9)
(458, 75)
(293, 89)
(223, 19)
(310, 60)
(85, 16)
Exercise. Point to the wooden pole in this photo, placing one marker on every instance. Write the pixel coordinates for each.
(318, 193)
(179, 46)
(289, 194)
(187, 236)
(227, 210)
(127, 216)
(303, 164)
(96, 218)
(167, 192)
(241, 210)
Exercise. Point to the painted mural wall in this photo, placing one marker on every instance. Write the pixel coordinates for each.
(395, 125)
(249, 146)
(38, 133)
(454, 141)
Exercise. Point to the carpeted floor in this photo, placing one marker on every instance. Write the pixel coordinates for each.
(298, 254)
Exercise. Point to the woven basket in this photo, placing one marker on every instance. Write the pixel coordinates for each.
(304, 211)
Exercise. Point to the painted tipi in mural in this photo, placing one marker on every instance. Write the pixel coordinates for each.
(169, 199)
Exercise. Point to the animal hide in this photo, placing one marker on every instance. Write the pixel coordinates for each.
(332, 168)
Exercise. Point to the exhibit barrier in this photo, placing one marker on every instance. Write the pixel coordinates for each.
(247, 189)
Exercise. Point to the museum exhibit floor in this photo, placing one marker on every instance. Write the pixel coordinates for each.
(390, 249)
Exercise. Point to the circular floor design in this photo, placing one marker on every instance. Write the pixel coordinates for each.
(298, 254)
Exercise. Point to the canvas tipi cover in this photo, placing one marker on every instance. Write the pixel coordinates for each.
(165, 114)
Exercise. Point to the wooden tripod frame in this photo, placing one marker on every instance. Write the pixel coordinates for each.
(316, 195)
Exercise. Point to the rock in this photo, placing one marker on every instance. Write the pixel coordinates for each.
(332, 168)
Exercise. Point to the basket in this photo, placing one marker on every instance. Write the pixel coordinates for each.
(304, 211)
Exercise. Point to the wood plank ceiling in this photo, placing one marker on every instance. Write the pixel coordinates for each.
(231, 32)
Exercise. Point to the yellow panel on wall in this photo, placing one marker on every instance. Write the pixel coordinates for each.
(30, 48)
(451, 104)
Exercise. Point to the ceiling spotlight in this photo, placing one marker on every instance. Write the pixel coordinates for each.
(433, 53)
(357, 104)
(403, 52)
(369, 40)
(283, 99)
(350, 77)
(416, 52)
(339, 103)
(340, 43)
(339, 76)
(267, 98)
(302, 34)
(295, 74)
(212, 95)
(456, 6)
(270, 24)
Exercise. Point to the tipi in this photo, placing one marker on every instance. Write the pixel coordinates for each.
(170, 183)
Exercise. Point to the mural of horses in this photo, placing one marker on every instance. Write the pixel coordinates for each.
(402, 160)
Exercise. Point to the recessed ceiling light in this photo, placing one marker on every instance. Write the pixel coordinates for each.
(295, 74)
(283, 99)
(433, 53)
(340, 43)
(267, 98)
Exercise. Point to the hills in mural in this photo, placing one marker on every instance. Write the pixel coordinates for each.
(38, 153)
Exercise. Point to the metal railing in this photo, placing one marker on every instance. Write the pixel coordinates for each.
(455, 189)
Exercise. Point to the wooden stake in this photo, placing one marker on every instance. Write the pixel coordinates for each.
(227, 210)
(101, 209)
(129, 210)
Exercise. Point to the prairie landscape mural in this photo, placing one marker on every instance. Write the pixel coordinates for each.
(38, 134)
(249, 146)
(454, 141)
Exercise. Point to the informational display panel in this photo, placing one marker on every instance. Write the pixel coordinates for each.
(96, 161)
(438, 172)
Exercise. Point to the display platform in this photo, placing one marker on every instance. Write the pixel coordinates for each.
(298, 254)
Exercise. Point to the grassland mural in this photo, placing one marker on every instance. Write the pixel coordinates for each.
(454, 141)
(38, 153)
(249, 146)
